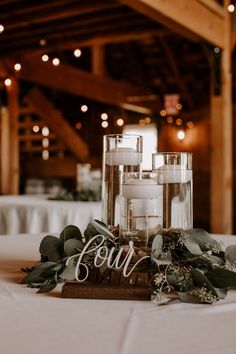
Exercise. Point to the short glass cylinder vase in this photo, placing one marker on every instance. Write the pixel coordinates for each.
(122, 153)
(141, 209)
(174, 173)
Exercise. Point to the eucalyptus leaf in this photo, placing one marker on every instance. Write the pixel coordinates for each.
(230, 253)
(41, 273)
(157, 244)
(46, 288)
(180, 280)
(213, 259)
(201, 281)
(73, 246)
(70, 232)
(162, 258)
(102, 228)
(221, 292)
(185, 297)
(52, 248)
(202, 238)
(69, 271)
(222, 278)
(192, 247)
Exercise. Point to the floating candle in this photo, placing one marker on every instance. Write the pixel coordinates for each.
(141, 189)
(123, 156)
(173, 174)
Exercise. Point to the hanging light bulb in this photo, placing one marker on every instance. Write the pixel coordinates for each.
(7, 82)
(56, 61)
(77, 53)
(17, 67)
(181, 135)
(45, 57)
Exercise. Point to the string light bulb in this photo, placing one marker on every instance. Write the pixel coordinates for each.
(17, 67)
(1, 28)
(178, 121)
(45, 154)
(45, 57)
(217, 50)
(231, 8)
(179, 106)
(190, 124)
(78, 125)
(77, 53)
(104, 116)
(84, 108)
(170, 120)
(181, 135)
(42, 42)
(45, 142)
(45, 131)
(35, 128)
(7, 82)
(147, 120)
(141, 122)
(120, 122)
(56, 61)
(163, 113)
(104, 124)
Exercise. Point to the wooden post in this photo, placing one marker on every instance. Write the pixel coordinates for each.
(222, 148)
(13, 109)
(5, 151)
(98, 60)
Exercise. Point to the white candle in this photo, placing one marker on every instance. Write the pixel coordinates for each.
(173, 174)
(141, 189)
(123, 156)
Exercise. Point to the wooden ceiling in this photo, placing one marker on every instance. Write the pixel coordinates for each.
(143, 61)
(138, 50)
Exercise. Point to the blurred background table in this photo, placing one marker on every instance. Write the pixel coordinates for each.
(36, 214)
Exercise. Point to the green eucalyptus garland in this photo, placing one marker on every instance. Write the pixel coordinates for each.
(189, 265)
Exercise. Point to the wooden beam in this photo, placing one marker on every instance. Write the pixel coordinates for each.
(53, 167)
(117, 36)
(185, 17)
(221, 142)
(5, 151)
(41, 16)
(98, 60)
(35, 137)
(13, 108)
(82, 83)
(53, 118)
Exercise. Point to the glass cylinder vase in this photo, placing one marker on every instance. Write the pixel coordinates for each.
(141, 209)
(121, 153)
(174, 172)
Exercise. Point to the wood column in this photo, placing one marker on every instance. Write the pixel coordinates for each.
(221, 143)
(13, 111)
(98, 60)
(5, 151)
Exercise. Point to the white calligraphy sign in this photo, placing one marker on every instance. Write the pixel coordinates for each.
(102, 255)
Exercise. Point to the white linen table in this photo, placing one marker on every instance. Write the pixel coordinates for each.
(36, 214)
(45, 323)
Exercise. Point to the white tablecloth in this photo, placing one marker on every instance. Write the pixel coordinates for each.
(35, 214)
(35, 324)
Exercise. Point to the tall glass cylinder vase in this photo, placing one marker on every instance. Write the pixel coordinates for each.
(121, 153)
(141, 209)
(174, 172)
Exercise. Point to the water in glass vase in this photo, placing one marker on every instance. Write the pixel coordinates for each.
(177, 205)
(117, 162)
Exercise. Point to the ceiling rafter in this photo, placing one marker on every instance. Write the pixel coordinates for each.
(183, 16)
